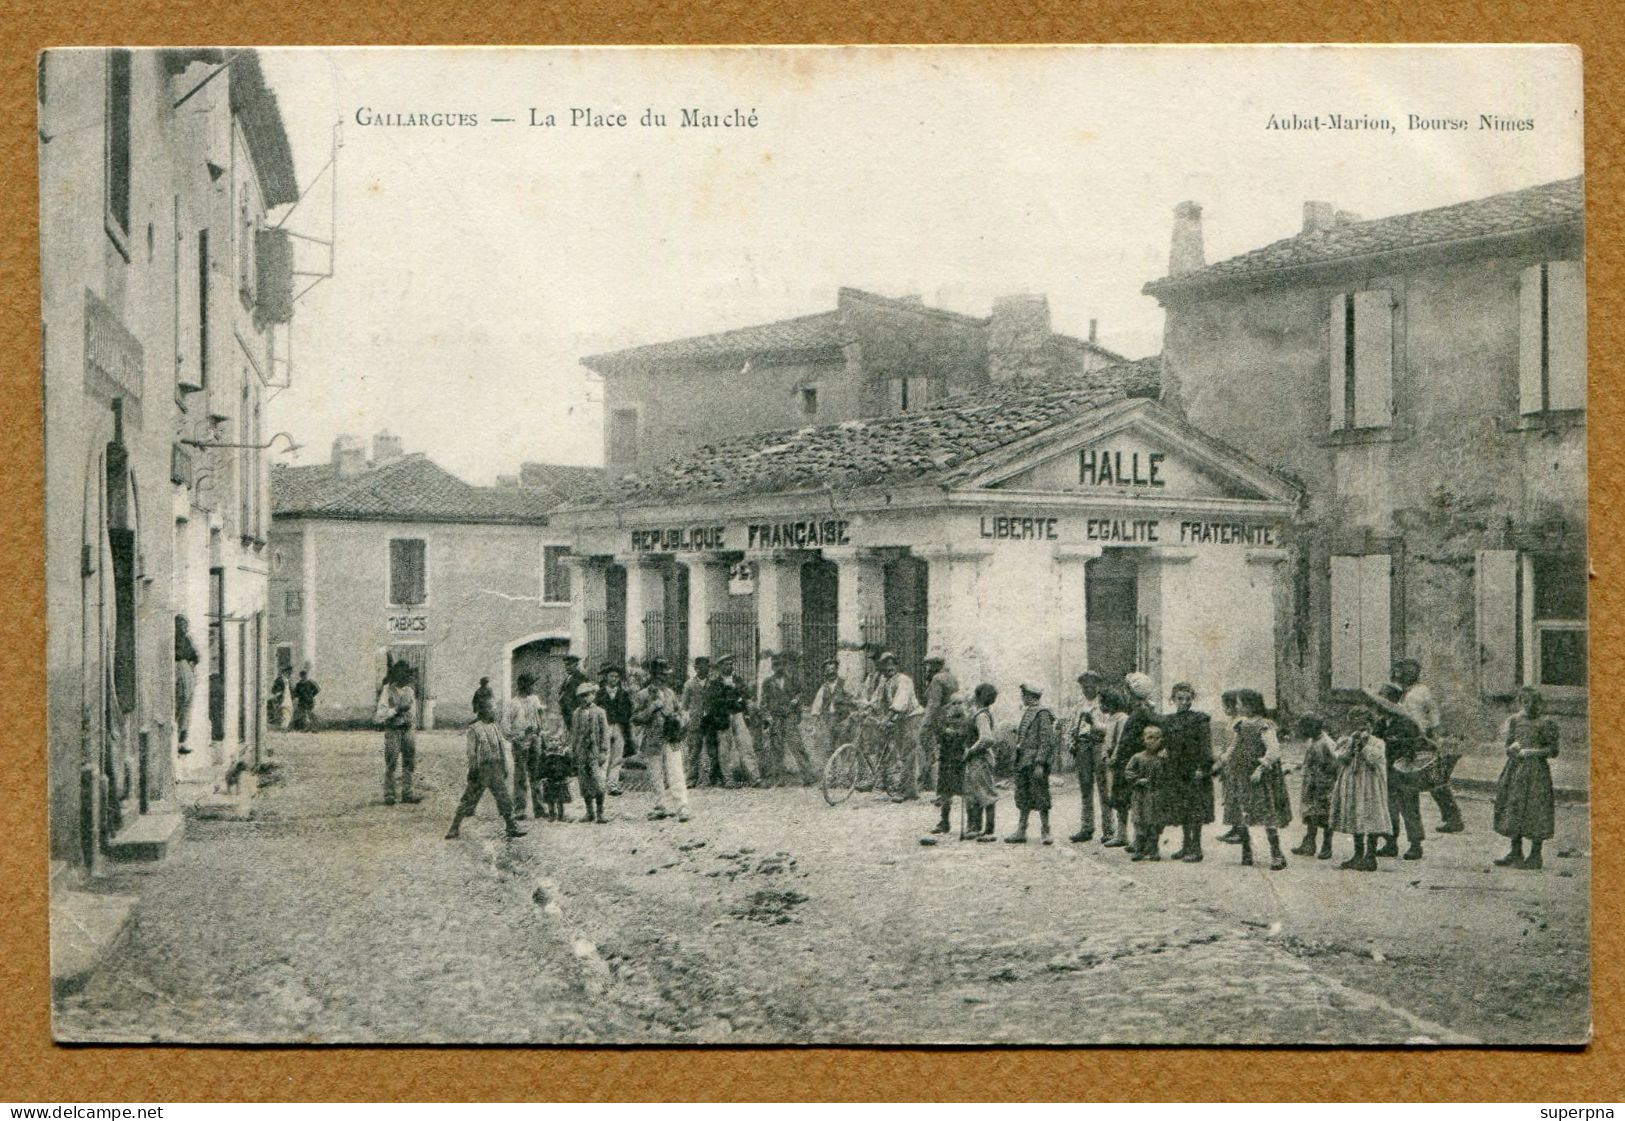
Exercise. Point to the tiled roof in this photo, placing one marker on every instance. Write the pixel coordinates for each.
(563, 482)
(787, 336)
(914, 447)
(824, 331)
(411, 488)
(1550, 204)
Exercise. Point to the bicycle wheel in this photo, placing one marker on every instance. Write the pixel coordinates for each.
(841, 774)
(889, 770)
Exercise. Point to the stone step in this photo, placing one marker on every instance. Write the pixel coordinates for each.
(84, 929)
(148, 836)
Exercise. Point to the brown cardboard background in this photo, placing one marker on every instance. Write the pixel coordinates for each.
(33, 1068)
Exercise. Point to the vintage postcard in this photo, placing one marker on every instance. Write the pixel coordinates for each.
(999, 545)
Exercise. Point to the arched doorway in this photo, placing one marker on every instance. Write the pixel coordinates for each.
(542, 656)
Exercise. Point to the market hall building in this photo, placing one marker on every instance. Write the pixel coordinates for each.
(1025, 530)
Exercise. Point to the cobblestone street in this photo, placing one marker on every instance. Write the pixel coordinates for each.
(771, 916)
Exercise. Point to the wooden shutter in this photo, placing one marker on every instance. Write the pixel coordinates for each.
(1336, 362)
(1565, 335)
(1496, 608)
(1531, 396)
(1373, 359)
(1375, 629)
(1345, 623)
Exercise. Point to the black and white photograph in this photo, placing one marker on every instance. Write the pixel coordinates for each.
(996, 545)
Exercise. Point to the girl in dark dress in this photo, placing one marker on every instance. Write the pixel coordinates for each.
(1523, 796)
(1252, 768)
(1320, 769)
(1187, 737)
(981, 796)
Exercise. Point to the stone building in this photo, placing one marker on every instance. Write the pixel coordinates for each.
(396, 559)
(1025, 528)
(1423, 378)
(166, 298)
(871, 356)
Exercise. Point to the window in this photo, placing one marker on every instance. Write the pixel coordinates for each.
(623, 436)
(809, 399)
(909, 394)
(1361, 634)
(117, 158)
(408, 572)
(1531, 621)
(203, 308)
(555, 574)
(293, 602)
(1361, 360)
(1551, 337)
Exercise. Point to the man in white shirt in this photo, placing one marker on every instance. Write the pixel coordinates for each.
(522, 728)
(895, 699)
(1418, 702)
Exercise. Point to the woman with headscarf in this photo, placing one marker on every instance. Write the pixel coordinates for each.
(1130, 742)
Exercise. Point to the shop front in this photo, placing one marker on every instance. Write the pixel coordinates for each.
(1130, 543)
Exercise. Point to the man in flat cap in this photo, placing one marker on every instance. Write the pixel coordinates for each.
(897, 702)
(573, 680)
(1087, 738)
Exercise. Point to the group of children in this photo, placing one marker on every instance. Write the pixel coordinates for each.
(1157, 770)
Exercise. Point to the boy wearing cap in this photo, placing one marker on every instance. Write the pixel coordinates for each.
(397, 711)
(589, 743)
(1036, 743)
(726, 702)
(488, 761)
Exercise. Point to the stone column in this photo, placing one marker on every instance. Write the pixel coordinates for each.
(588, 593)
(953, 587)
(1173, 603)
(861, 594)
(778, 593)
(707, 592)
(1072, 611)
(645, 592)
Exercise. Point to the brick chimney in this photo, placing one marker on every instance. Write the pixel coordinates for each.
(349, 456)
(386, 448)
(1186, 253)
(1018, 338)
(1318, 217)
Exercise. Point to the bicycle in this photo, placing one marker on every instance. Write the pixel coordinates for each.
(868, 761)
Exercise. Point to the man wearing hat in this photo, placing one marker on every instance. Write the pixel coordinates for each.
(899, 704)
(1130, 742)
(568, 691)
(617, 705)
(659, 716)
(1036, 744)
(940, 688)
(589, 743)
(781, 726)
(397, 711)
(726, 702)
(1087, 738)
(522, 727)
(701, 742)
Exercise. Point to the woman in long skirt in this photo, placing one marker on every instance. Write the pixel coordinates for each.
(1227, 796)
(1523, 797)
(1359, 801)
(980, 794)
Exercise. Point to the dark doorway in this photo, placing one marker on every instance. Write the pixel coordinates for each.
(907, 600)
(1111, 606)
(543, 659)
(614, 650)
